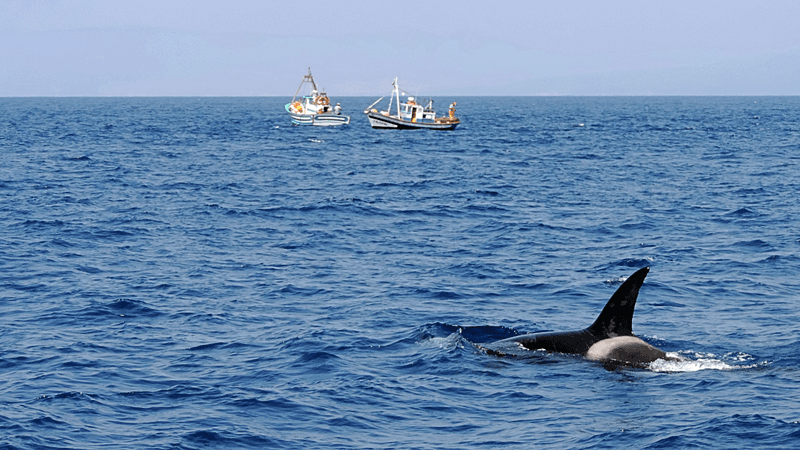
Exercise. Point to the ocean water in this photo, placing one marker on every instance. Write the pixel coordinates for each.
(191, 273)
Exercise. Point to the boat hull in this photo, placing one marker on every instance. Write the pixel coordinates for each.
(318, 120)
(378, 120)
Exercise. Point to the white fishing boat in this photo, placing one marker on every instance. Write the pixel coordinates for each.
(410, 114)
(315, 108)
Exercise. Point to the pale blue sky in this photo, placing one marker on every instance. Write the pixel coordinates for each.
(467, 47)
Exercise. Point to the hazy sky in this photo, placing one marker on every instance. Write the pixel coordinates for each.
(354, 47)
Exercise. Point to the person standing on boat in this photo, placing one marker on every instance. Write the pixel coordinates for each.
(453, 110)
(337, 109)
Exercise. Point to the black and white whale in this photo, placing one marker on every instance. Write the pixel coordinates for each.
(609, 339)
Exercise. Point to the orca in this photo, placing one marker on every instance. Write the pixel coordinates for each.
(609, 339)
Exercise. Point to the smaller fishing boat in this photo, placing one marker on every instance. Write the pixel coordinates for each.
(315, 108)
(410, 114)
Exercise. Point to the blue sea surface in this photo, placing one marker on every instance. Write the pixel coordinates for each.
(191, 273)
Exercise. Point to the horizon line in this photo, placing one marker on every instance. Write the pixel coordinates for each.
(431, 95)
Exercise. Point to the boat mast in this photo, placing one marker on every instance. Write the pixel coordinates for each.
(306, 79)
(391, 98)
(397, 94)
(311, 79)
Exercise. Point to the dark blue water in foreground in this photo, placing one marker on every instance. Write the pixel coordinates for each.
(197, 273)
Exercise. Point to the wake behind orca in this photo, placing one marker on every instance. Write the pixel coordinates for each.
(609, 339)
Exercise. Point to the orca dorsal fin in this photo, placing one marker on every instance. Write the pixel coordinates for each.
(616, 317)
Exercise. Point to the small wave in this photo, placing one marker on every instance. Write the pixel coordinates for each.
(317, 363)
(226, 439)
(756, 191)
(637, 263)
(216, 346)
(43, 223)
(668, 304)
(344, 206)
(317, 357)
(450, 342)
(62, 243)
(122, 308)
(618, 280)
(741, 212)
(438, 295)
(204, 437)
(89, 269)
(72, 395)
(642, 225)
(47, 422)
(300, 291)
(474, 334)
(756, 244)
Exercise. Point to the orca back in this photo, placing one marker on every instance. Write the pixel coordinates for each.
(614, 321)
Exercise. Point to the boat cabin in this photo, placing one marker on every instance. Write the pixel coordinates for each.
(414, 112)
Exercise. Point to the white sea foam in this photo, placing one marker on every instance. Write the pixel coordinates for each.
(619, 280)
(695, 361)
